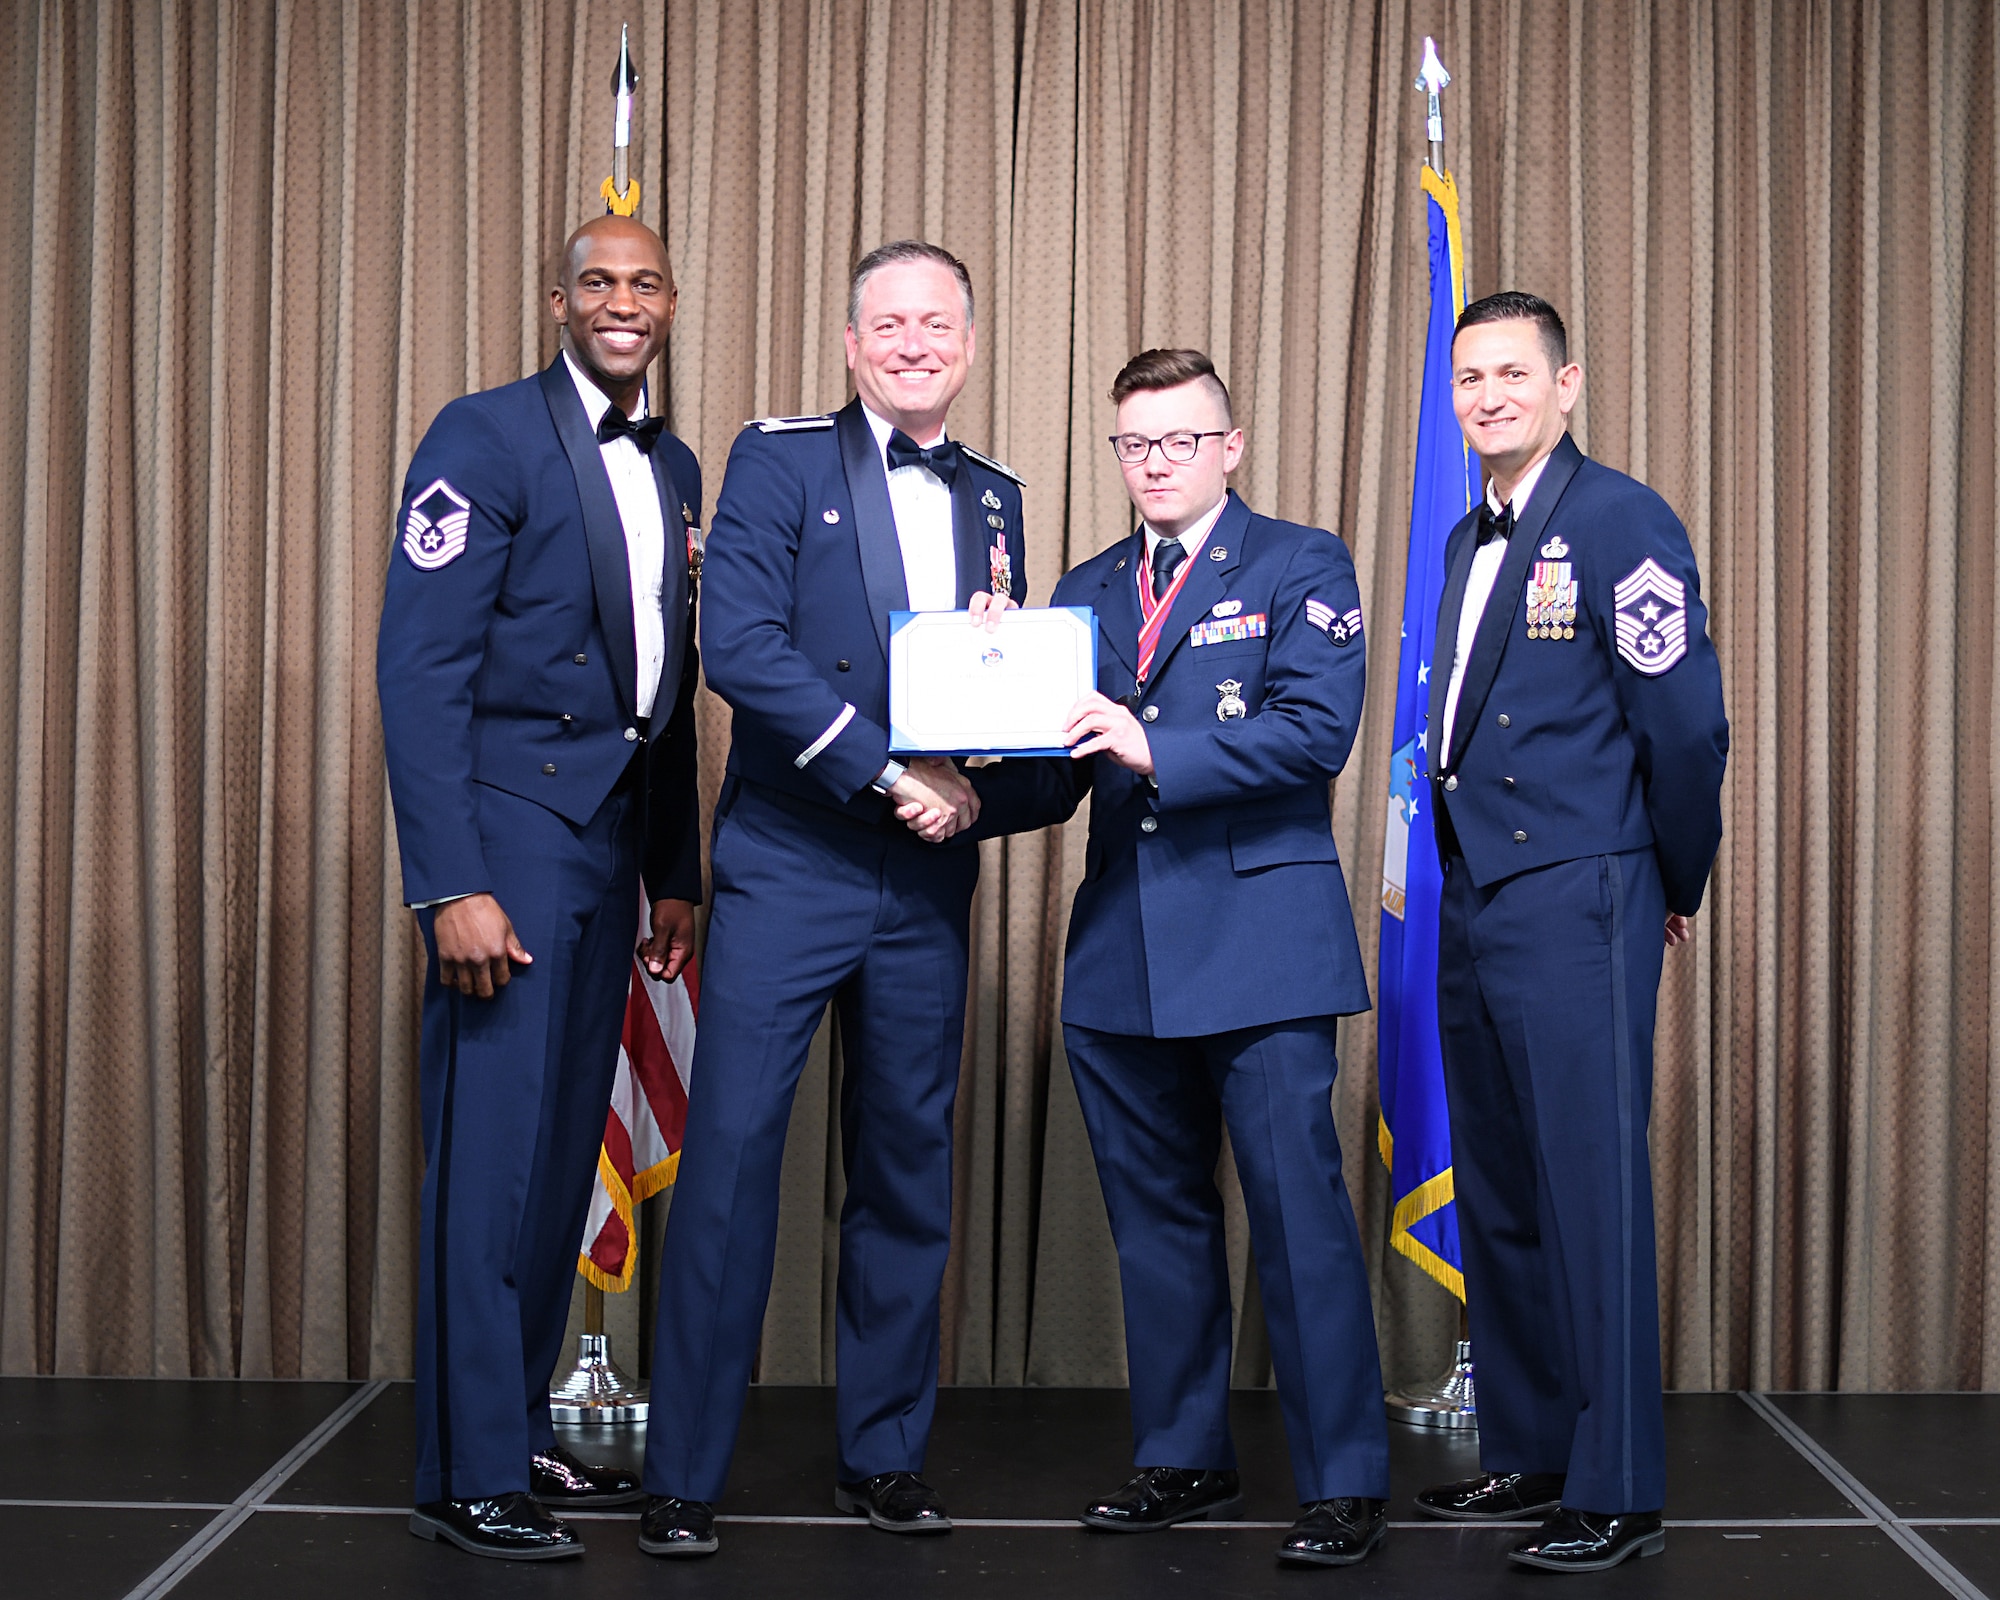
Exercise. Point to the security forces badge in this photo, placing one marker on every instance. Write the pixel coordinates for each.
(1651, 618)
(434, 530)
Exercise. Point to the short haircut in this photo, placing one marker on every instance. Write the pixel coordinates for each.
(1169, 369)
(1511, 305)
(902, 252)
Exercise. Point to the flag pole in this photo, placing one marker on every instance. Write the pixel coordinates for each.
(1448, 1402)
(595, 1390)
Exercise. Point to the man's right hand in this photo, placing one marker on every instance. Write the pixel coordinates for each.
(934, 800)
(475, 943)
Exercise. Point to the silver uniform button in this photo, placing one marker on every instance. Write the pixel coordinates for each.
(631, 734)
(1505, 720)
(1149, 824)
(1451, 783)
(1151, 713)
(1520, 837)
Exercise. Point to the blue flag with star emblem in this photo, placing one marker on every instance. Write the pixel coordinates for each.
(1415, 1133)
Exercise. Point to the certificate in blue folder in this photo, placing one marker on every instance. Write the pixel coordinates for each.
(957, 690)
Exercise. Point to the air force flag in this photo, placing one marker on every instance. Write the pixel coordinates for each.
(1415, 1136)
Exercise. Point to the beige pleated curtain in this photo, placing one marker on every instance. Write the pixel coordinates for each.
(254, 247)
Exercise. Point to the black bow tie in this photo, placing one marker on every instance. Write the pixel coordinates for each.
(1492, 527)
(614, 424)
(941, 458)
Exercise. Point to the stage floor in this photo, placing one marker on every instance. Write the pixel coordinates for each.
(115, 1487)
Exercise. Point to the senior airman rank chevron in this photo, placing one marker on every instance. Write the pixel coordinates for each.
(1341, 628)
(434, 531)
(1651, 618)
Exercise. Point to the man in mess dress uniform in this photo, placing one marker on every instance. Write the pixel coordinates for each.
(1576, 750)
(536, 669)
(832, 885)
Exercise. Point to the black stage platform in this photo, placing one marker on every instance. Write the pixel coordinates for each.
(114, 1487)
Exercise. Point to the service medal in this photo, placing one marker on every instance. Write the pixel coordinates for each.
(1001, 566)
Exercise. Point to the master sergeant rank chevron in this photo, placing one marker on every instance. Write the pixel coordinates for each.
(1651, 617)
(434, 531)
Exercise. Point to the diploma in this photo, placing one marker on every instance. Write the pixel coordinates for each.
(960, 690)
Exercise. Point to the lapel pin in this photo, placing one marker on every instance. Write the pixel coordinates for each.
(829, 515)
(1219, 553)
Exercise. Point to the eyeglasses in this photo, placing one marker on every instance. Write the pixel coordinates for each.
(1133, 448)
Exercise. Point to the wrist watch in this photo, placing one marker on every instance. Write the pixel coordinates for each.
(890, 775)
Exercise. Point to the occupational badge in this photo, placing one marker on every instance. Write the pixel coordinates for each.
(990, 500)
(1651, 618)
(1231, 705)
(434, 530)
(995, 521)
(1555, 549)
(1001, 567)
(1225, 608)
(1551, 601)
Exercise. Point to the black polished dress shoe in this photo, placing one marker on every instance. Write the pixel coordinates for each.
(896, 1502)
(558, 1479)
(1590, 1541)
(1494, 1497)
(509, 1528)
(1336, 1533)
(670, 1527)
(1161, 1496)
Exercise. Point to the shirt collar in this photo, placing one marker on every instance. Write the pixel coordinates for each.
(595, 401)
(1191, 540)
(1522, 490)
(881, 430)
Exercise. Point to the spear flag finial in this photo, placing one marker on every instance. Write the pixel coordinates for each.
(621, 189)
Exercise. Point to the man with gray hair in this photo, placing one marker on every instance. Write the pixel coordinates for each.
(833, 884)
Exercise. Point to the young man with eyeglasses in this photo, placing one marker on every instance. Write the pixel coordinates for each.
(1211, 950)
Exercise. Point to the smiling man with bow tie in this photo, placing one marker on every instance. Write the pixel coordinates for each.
(831, 887)
(536, 669)
(1576, 757)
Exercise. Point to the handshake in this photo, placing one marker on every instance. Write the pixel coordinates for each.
(934, 799)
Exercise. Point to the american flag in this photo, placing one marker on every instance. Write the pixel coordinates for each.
(642, 1130)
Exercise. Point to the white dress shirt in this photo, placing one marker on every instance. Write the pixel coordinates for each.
(921, 504)
(1479, 582)
(1190, 541)
(637, 492)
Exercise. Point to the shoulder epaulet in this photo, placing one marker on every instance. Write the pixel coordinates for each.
(788, 424)
(985, 460)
